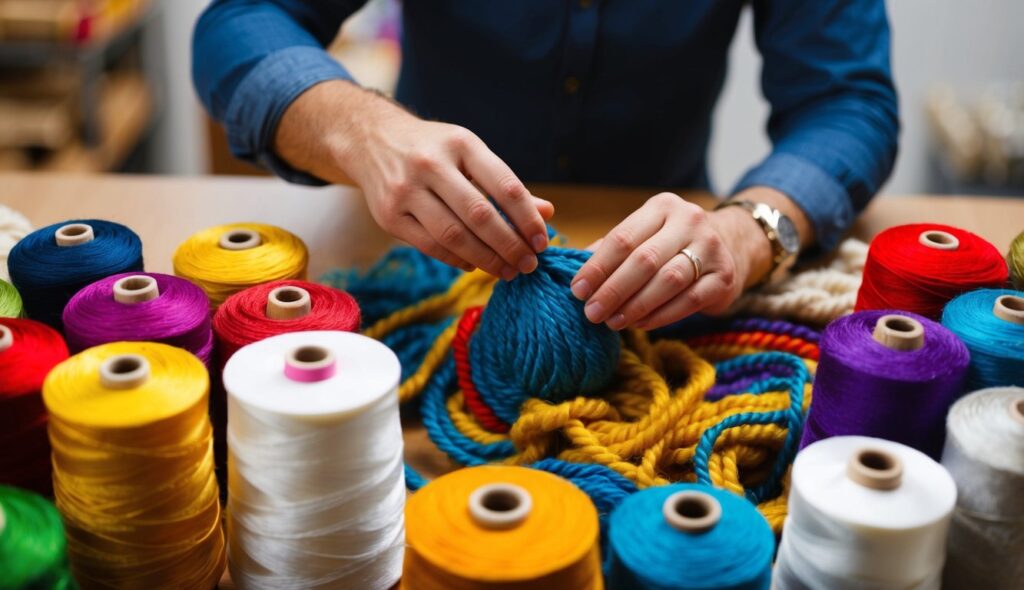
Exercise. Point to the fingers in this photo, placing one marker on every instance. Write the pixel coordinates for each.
(498, 180)
(670, 280)
(690, 301)
(483, 220)
(452, 234)
(545, 208)
(412, 231)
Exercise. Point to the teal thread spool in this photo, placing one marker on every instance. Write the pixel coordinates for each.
(33, 552)
(991, 323)
(10, 301)
(688, 537)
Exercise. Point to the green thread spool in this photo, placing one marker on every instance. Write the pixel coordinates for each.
(1015, 260)
(10, 301)
(33, 551)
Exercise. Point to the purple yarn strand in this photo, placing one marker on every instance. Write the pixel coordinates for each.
(179, 317)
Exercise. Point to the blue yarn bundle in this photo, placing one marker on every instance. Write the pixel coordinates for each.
(996, 345)
(646, 552)
(534, 341)
(48, 275)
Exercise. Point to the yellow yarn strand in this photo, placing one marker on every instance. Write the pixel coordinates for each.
(222, 272)
(1015, 260)
(133, 471)
(555, 547)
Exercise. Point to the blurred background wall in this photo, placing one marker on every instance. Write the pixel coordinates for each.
(113, 91)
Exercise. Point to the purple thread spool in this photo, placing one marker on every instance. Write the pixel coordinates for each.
(140, 307)
(887, 374)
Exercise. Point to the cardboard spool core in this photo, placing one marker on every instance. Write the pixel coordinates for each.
(691, 511)
(899, 332)
(135, 289)
(288, 303)
(1009, 308)
(3, 519)
(1017, 410)
(240, 239)
(124, 371)
(875, 469)
(500, 505)
(74, 234)
(309, 364)
(940, 240)
(6, 338)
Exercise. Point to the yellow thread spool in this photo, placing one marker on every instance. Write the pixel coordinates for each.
(501, 527)
(133, 467)
(228, 258)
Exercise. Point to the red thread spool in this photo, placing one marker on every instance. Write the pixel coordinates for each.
(281, 307)
(28, 350)
(921, 267)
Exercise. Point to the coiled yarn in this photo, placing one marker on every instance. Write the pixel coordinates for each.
(985, 454)
(996, 345)
(221, 272)
(863, 387)
(554, 547)
(13, 227)
(903, 273)
(844, 535)
(48, 275)
(33, 552)
(133, 470)
(10, 301)
(179, 316)
(647, 552)
(1015, 260)
(24, 447)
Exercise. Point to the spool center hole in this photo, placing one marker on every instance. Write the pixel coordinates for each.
(1013, 303)
(500, 501)
(692, 508)
(899, 325)
(73, 230)
(876, 461)
(288, 295)
(238, 237)
(136, 284)
(1020, 407)
(125, 366)
(311, 354)
(939, 238)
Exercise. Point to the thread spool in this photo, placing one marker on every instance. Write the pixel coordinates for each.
(984, 453)
(891, 375)
(33, 552)
(553, 546)
(133, 467)
(140, 307)
(990, 322)
(920, 267)
(280, 307)
(226, 259)
(53, 263)
(28, 351)
(10, 301)
(687, 536)
(1015, 262)
(13, 227)
(842, 534)
(315, 467)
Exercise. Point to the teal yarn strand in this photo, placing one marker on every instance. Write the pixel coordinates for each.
(996, 345)
(534, 341)
(33, 552)
(646, 552)
(10, 301)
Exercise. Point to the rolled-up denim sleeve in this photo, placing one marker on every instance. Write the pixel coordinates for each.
(251, 59)
(834, 122)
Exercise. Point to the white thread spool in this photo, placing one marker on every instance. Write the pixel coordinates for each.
(74, 234)
(136, 289)
(864, 513)
(13, 227)
(985, 454)
(316, 478)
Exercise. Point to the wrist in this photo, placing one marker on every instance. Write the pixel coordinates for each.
(745, 240)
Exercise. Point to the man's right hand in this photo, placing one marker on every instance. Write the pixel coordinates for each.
(425, 182)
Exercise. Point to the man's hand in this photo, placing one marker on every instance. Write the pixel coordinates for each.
(425, 182)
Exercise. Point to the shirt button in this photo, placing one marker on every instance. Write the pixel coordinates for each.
(585, 3)
(571, 85)
(563, 162)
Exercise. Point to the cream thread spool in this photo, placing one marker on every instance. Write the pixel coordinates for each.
(240, 239)
(136, 289)
(500, 505)
(939, 240)
(124, 371)
(692, 511)
(899, 332)
(74, 234)
(1009, 308)
(6, 338)
(288, 303)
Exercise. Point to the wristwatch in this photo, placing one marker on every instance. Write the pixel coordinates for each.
(779, 230)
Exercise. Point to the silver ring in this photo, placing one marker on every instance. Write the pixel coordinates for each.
(698, 266)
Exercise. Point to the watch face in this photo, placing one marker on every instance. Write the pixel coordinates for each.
(787, 234)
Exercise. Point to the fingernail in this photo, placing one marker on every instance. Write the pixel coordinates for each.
(540, 242)
(617, 322)
(581, 289)
(593, 311)
(508, 273)
(527, 264)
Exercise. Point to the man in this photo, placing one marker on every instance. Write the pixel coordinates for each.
(595, 91)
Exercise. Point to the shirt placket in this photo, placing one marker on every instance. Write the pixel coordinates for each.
(580, 44)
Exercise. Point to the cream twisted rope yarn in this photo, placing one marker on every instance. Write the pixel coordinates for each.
(815, 295)
(13, 227)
